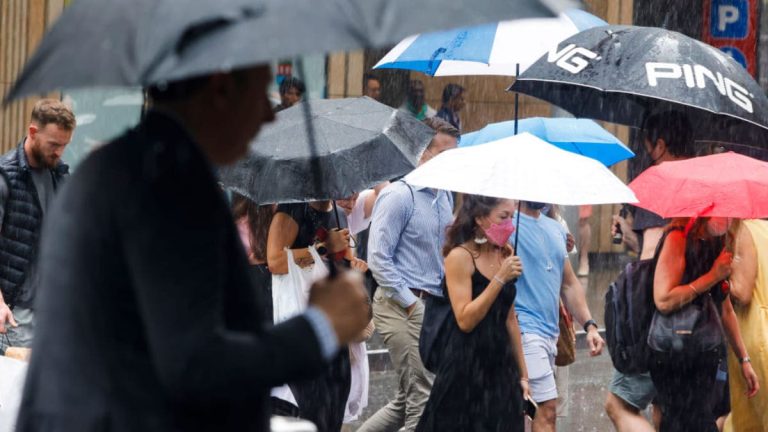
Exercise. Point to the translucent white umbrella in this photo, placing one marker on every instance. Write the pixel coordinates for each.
(523, 167)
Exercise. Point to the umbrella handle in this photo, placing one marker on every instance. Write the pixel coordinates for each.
(517, 226)
(517, 100)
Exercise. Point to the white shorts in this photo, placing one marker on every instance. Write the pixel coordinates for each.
(540, 355)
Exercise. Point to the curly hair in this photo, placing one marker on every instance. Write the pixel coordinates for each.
(464, 226)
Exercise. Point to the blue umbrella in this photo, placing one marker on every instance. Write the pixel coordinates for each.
(581, 136)
(493, 49)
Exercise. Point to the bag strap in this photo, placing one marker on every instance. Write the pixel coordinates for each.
(413, 202)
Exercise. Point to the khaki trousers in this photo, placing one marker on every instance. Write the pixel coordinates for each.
(401, 337)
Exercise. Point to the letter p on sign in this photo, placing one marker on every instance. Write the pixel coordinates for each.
(726, 14)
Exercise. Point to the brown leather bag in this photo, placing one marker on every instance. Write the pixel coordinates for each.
(566, 342)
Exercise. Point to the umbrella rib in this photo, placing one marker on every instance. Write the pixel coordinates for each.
(636, 94)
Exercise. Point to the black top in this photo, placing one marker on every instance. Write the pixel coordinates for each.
(310, 221)
(644, 219)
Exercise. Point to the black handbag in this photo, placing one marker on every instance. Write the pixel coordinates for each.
(693, 329)
(436, 313)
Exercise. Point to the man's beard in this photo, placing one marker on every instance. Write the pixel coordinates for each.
(40, 158)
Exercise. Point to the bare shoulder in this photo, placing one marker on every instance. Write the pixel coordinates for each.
(460, 259)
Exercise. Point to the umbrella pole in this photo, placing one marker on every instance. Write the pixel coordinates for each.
(317, 176)
(336, 212)
(517, 98)
(517, 226)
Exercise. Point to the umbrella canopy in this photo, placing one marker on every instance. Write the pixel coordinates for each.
(489, 49)
(623, 73)
(523, 167)
(359, 143)
(721, 185)
(144, 42)
(581, 136)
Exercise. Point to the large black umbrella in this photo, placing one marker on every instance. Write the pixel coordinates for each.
(622, 74)
(144, 42)
(359, 143)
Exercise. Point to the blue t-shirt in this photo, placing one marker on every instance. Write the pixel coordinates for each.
(542, 251)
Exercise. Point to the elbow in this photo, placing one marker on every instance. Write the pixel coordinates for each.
(466, 325)
(665, 306)
(277, 265)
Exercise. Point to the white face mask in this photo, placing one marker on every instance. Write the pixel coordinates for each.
(718, 226)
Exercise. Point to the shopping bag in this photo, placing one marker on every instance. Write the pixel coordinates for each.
(290, 291)
(12, 375)
(566, 342)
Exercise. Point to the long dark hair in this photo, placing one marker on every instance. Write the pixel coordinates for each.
(259, 219)
(464, 227)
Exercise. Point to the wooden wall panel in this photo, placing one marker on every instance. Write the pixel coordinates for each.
(22, 26)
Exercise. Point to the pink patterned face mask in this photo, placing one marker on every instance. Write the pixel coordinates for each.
(499, 233)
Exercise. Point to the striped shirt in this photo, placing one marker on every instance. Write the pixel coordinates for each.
(406, 240)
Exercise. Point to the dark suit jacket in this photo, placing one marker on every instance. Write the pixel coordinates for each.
(146, 318)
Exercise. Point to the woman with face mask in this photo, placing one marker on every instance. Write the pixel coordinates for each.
(482, 379)
(692, 264)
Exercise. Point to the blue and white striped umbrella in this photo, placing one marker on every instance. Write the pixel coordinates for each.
(492, 49)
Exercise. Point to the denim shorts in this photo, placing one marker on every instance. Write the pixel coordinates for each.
(636, 389)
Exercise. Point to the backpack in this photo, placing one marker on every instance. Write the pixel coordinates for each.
(629, 309)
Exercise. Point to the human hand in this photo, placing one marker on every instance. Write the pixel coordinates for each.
(570, 242)
(511, 268)
(18, 353)
(623, 224)
(753, 384)
(410, 309)
(595, 342)
(344, 301)
(337, 240)
(6, 316)
(525, 387)
(358, 264)
(721, 268)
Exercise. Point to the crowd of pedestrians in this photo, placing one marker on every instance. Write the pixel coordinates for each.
(469, 312)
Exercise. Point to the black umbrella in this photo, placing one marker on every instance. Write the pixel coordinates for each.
(622, 74)
(144, 42)
(359, 143)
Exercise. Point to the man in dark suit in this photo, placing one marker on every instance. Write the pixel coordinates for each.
(147, 320)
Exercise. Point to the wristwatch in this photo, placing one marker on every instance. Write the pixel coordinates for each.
(743, 360)
(590, 323)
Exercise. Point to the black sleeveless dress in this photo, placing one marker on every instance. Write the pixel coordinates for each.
(477, 387)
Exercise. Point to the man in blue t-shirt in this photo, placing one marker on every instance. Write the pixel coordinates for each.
(548, 277)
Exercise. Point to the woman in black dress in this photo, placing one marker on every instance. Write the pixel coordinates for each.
(482, 378)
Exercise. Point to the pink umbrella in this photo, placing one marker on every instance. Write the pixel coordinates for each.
(721, 185)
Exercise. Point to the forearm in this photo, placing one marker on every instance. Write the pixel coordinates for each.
(469, 315)
(386, 275)
(679, 296)
(631, 241)
(278, 262)
(732, 330)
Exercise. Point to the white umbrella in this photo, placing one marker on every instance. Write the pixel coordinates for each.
(523, 167)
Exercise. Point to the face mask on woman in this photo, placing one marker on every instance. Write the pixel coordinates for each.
(499, 233)
(718, 226)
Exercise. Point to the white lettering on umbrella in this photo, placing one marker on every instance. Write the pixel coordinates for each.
(699, 76)
(571, 58)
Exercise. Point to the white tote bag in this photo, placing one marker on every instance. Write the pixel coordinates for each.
(290, 292)
(12, 375)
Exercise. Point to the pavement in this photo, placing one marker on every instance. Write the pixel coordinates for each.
(588, 376)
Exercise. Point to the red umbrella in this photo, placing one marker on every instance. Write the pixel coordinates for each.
(721, 185)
